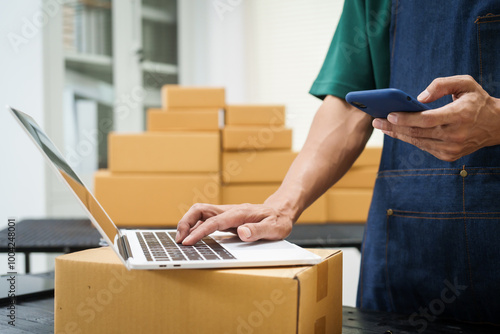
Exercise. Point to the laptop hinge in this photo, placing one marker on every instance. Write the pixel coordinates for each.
(124, 247)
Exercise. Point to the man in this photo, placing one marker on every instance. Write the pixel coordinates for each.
(431, 245)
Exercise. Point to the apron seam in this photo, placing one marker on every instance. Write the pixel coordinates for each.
(474, 296)
(448, 213)
(480, 53)
(417, 169)
(432, 218)
(395, 30)
(488, 22)
(487, 16)
(430, 169)
(448, 218)
(406, 175)
(387, 281)
(361, 270)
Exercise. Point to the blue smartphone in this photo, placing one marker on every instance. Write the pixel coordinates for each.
(381, 102)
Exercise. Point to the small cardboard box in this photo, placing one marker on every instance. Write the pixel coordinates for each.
(164, 152)
(256, 138)
(252, 166)
(95, 293)
(369, 157)
(159, 120)
(174, 96)
(266, 115)
(358, 177)
(258, 193)
(348, 205)
(153, 199)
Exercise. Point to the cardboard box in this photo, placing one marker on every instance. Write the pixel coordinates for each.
(369, 157)
(256, 138)
(348, 205)
(258, 193)
(159, 120)
(96, 294)
(252, 166)
(267, 115)
(174, 96)
(164, 152)
(358, 177)
(153, 199)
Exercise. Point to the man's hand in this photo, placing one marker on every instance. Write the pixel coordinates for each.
(250, 221)
(470, 122)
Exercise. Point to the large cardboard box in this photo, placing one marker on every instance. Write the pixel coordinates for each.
(96, 294)
(159, 120)
(267, 115)
(256, 138)
(153, 199)
(256, 166)
(174, 96)
(348, 205)
(369, 157)
(164, 152)
(358, 177)
(258, 193)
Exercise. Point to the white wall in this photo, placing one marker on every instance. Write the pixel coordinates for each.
(211, 47)
(22, 186)
(22, 191)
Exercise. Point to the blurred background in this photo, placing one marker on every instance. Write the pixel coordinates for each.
(83, 68)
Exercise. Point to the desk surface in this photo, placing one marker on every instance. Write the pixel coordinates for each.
(53, 235)
(37, 316)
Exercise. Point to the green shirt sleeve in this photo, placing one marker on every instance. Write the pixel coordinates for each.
(358, 57)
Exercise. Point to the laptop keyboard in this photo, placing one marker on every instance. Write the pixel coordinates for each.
(161, 246)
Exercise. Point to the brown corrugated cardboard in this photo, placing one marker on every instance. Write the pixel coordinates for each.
(268, 115)
(303, 300)
(256, 138)
(164, 152)
(159, 120)
(174, 96)
(369, 157)
(153, 199)
(253, 166)
(358, 177)
(348, 205)
(258, 193)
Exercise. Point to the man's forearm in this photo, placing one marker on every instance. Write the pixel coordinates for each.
(338, 134)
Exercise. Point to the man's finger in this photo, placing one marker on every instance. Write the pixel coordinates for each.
(267, 229)
(440, 87)
(232, 218)
(440, 149)
(426, 119)
(196, 213)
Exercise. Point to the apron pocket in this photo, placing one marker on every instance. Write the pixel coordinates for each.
(488, 30)
(427, 262)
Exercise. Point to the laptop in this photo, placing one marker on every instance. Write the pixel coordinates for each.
(156, 248)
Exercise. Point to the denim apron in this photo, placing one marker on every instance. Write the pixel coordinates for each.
(432, 241)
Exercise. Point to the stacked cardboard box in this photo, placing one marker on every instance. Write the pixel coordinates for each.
(256, 156)
(348, 201)
(154, 177)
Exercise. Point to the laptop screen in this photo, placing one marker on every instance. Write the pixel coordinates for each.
(57, 160)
